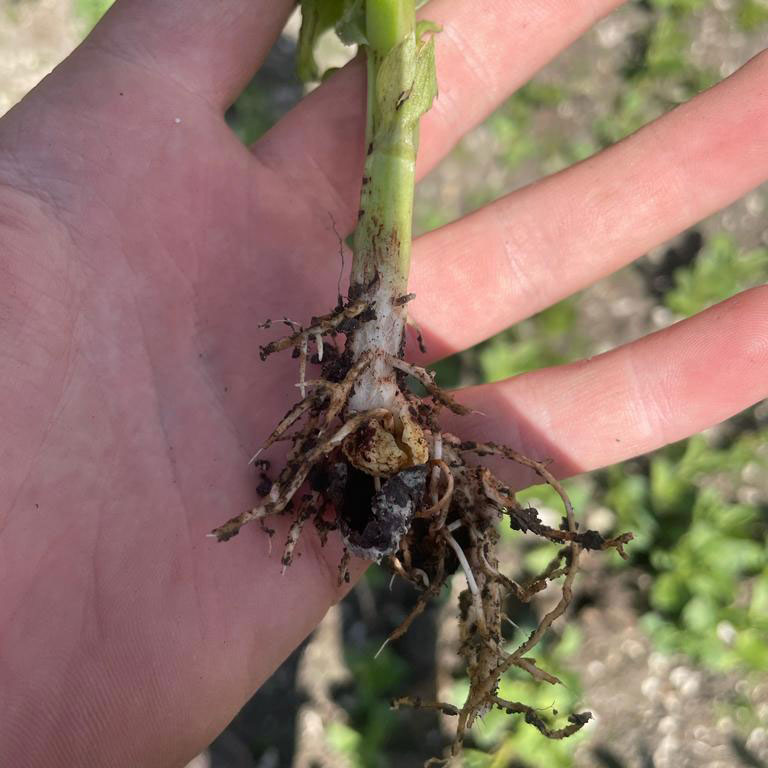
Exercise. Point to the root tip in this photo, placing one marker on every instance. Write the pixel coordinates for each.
(381, 648)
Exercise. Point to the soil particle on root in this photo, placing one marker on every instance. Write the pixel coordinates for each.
(391, 511)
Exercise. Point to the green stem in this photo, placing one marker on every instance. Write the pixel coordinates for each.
(388, 22)
(401, 86)
(382, 242)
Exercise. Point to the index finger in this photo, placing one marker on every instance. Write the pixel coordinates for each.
(210, 49)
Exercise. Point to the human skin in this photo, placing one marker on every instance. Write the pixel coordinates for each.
(140, 245)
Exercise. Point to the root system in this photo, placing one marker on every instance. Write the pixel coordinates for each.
(416, 499)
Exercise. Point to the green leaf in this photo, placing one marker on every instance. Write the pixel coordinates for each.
(406, 84)
(317, 16)
(424, 89)
(351, 26)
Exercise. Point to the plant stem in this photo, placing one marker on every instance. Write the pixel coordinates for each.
(387, 23)
(382, 241)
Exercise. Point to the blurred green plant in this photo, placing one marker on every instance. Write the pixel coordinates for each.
(377, 680)
(720, 270)
(549, 338)
(657, 77)
(90, 11)
(347, 742)
(706, 549)
(253, 114)
(752, 14)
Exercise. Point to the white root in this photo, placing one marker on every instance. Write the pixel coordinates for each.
(286, 422)
(292, 324)
(471, 583)
(381, 648)
(325, 324)
(293, 537)
(437, 453)
(440, 505)
(477, 602)
(422, 575)
(509, 621)
(433, 489)
(303, 349)
(398, 569)
(257, 513)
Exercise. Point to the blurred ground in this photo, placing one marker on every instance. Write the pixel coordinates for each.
(670, 652)
(34, 38)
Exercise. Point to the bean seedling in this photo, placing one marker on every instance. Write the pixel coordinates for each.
(367, 456)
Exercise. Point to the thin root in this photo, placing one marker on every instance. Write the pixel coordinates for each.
(295, 530)
(440, 505)
(285, 490)
(416, 702)
(321, 325)
(477, 602)
(303, 350)
(577, 721)
(422, 375)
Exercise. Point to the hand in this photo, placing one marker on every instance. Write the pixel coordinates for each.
(142, 244)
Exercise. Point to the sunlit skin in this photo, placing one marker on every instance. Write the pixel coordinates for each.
(140, 245)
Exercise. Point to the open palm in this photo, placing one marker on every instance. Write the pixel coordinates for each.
(141, 246)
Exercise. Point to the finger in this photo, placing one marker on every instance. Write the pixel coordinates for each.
(211, 49)
(483, 55)
(542, 243)
(633, 399)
